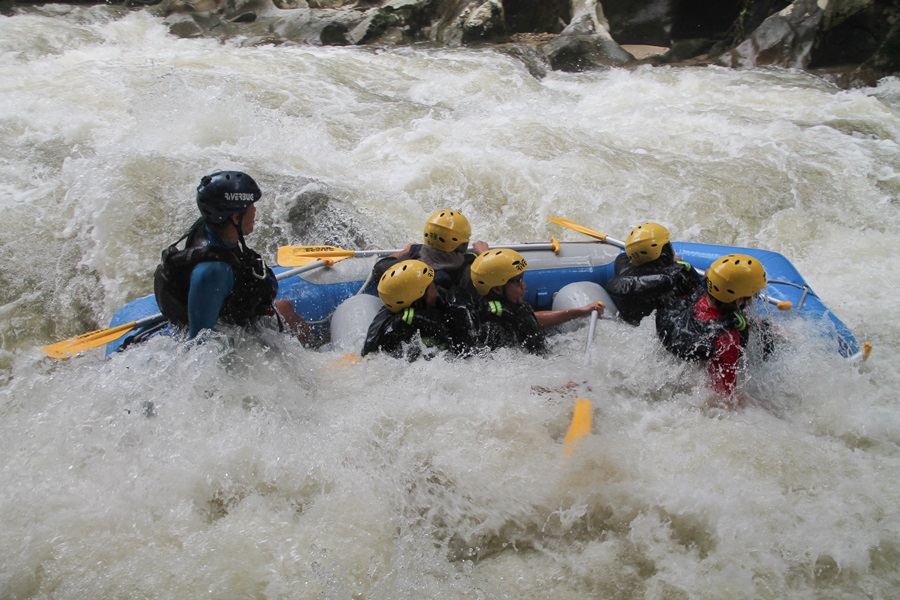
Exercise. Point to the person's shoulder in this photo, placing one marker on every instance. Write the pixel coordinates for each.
(212, 270)
(415, 250)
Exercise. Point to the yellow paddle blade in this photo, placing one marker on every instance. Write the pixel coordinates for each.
(298, 256)
(347, 360)
(580, 425)
(862, 355)
(783, 304)
(578, 228)
(86, 341)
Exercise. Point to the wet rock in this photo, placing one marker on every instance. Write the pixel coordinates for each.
(852, 42)
(319, 215)
(581, 52)
(785, 39)
(648, 23)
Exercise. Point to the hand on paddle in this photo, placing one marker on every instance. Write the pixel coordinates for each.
(552, 318)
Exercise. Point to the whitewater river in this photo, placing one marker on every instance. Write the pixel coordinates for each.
(267, 470)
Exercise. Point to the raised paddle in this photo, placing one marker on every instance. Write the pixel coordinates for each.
(590, 232)
(779, 304)
(291, 256)
(100, 337)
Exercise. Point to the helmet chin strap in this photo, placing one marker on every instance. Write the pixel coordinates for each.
(240, 230)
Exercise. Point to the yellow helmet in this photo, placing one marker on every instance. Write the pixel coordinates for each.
(496, 267)
(645, 243)
(404, 283)
(446, 230)
(735, 276)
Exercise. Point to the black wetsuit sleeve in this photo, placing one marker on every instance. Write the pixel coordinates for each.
(645, 285)
(638, 291)
(382, 266)
(374, 335)
(389, 331)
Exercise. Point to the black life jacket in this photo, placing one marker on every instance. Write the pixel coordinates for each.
(688, 337)
(503, 324)
(639, 290)
(255, 285)
(457, 281)
(449, 326)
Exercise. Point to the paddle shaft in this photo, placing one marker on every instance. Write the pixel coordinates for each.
(289, 256)
(516, 247)
(303, 269)
(582, 414)
(590, 339)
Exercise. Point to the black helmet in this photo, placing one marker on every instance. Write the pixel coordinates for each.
(223, 193)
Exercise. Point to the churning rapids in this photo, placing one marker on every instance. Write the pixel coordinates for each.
(251, 467)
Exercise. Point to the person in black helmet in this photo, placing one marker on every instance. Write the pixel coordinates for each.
(216, 276)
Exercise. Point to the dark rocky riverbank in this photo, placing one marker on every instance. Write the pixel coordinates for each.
(849, 42)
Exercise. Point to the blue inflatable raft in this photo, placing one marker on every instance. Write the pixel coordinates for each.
(317, 293)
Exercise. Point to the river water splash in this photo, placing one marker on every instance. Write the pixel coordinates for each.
(250, 466)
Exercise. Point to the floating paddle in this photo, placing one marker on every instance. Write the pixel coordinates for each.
(100, 337)
(779, 304)
(292, 256)
(580, 426)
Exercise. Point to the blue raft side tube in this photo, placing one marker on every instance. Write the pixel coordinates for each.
(542, 284)
(133, 311)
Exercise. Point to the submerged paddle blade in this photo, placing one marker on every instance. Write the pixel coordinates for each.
(347, 360)
(862, 355)
(298, 256)
(86, 341)
(580, 425)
